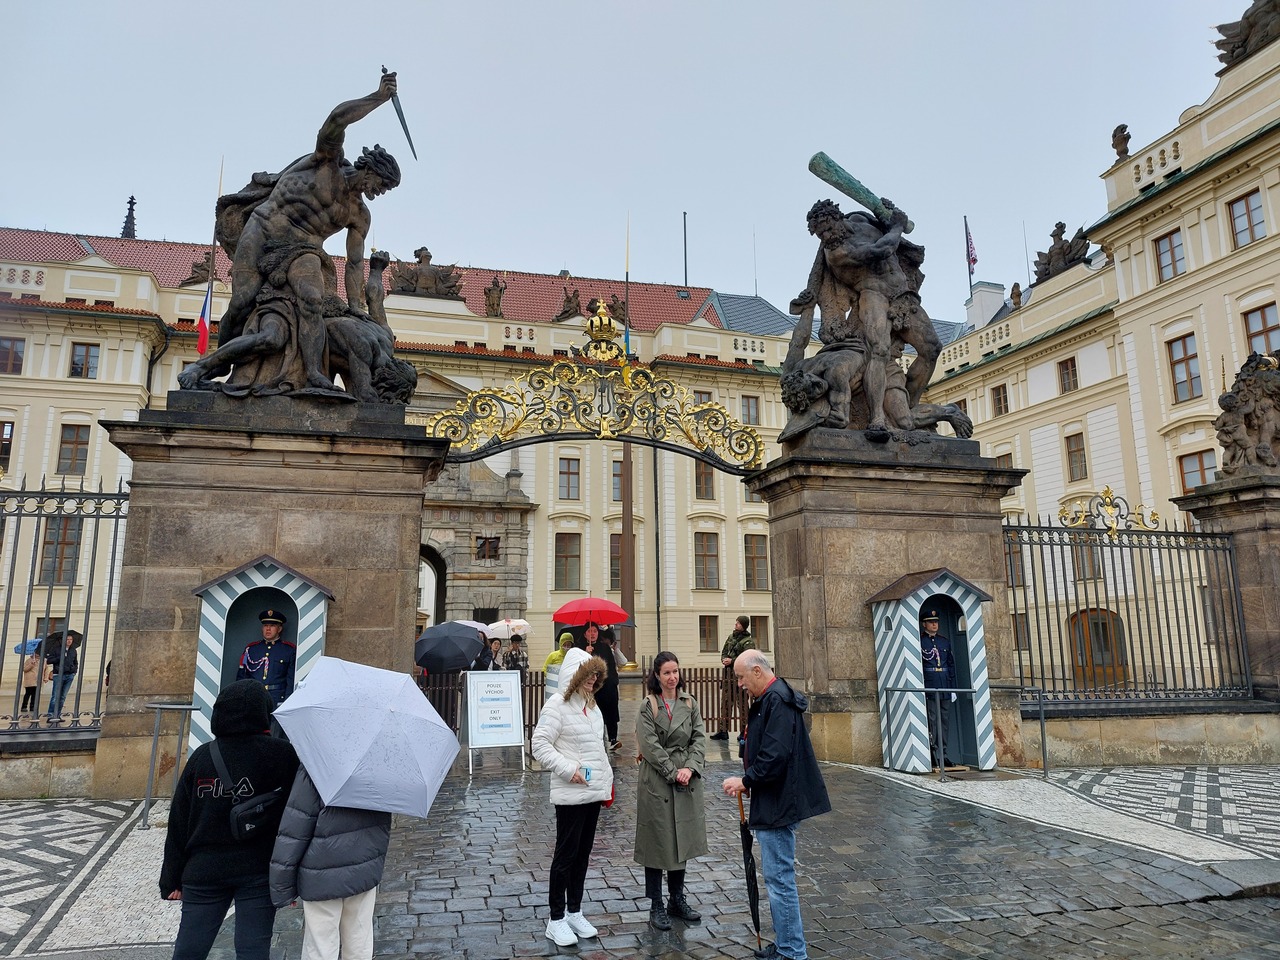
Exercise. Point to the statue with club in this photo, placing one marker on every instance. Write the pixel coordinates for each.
(866, 282)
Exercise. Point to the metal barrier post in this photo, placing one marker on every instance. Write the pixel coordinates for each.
(151, 773)
(145, 823)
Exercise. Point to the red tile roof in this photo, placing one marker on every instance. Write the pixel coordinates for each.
(16, 306)
(167, 260)
(529, 298)
(534, 297)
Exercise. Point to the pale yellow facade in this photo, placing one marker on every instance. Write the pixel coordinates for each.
(137, 364)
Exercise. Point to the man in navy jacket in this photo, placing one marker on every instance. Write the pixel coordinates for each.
(781, 773)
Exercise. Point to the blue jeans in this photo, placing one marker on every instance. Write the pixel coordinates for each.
(62, 683)
(204, 907)
(778, 864)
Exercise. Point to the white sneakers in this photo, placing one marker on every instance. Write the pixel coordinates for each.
(565, 932)
(580, 925)
(558, 932)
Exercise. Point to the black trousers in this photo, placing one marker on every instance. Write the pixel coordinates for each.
(607, 701)
(575, 836)
(938, 706)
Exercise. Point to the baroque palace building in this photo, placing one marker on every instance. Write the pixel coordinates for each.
(96, 328)
(1107, 370)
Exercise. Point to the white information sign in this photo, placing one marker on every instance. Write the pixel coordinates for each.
(495, 711)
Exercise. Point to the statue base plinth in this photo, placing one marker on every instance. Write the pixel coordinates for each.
(332, 490)
(1247, 506)
(848, 517)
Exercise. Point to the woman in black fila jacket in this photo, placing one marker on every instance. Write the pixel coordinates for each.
(205, 866)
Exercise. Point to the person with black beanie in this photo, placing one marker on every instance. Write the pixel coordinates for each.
(205, 866)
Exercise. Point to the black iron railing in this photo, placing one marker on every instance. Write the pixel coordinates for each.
(1124, 616)
(60, 552)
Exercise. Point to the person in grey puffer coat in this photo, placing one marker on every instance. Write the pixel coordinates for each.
(330, 858)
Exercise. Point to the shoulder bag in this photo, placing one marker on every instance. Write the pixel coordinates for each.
(250, 816)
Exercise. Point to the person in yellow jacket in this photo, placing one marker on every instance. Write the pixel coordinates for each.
(551, 669)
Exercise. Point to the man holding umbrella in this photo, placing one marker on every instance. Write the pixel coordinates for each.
(781, 775)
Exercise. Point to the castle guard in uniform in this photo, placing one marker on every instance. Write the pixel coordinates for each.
(939, 673)
(270, 660)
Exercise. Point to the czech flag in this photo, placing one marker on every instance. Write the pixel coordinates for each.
(202, 325)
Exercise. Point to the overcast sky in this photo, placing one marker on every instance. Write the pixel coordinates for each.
(541, 126)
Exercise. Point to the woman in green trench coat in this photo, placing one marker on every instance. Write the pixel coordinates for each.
(671, 823)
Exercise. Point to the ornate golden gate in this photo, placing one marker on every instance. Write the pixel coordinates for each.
(602, 394)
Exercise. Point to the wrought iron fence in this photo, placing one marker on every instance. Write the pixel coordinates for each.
(60, 552)
(1105, 614)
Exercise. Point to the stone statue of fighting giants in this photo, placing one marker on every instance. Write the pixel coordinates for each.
(866, 281)
(280, 328)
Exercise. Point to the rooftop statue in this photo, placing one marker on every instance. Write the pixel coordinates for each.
(200, 271)
(1120, 142)
(572, 306)
(1246, 36)
(493, 297)
(1249, 424)
(1062, 253)
(865, 281)
(274, 335)
(425, 279)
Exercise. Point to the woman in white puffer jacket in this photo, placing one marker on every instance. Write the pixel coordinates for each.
(569, 742)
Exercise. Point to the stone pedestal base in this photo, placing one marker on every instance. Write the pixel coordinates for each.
(848, 517)
(332, 490)
(1248, 508)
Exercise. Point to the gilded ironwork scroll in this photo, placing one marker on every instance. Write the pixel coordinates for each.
(601, 394)
(601, 401)
(1109, 512)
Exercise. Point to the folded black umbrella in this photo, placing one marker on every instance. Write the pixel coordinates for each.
(749, 864)
(447, 647)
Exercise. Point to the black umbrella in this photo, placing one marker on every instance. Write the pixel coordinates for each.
(749, 864)
(447, 647)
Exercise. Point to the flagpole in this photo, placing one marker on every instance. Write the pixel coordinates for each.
(206, 310)
(627, 559)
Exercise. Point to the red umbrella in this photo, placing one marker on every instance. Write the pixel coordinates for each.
(590, 610)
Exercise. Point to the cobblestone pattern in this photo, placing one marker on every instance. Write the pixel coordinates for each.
(42, 843)
(1238, 803)
(895, 873)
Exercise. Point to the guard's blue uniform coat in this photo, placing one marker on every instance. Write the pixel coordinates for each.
(272, 665)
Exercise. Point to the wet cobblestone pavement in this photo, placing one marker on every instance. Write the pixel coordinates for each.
(1096, 863)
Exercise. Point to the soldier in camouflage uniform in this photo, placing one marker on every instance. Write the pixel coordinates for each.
(733, 702)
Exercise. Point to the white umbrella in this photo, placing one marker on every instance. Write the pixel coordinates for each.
(368, 737)
(503, 629)
(482, 627)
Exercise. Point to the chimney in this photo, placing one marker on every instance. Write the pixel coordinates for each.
(983, 304)
(130, 229)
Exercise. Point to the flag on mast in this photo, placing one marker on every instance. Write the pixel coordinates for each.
(971, 252)
(206, 309)
(202, 325)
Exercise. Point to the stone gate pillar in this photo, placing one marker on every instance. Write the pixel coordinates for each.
(333, 490)
(1247, 506)
(848, 517)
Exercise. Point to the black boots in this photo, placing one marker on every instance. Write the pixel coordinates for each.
(658, 918)
(678, 907)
